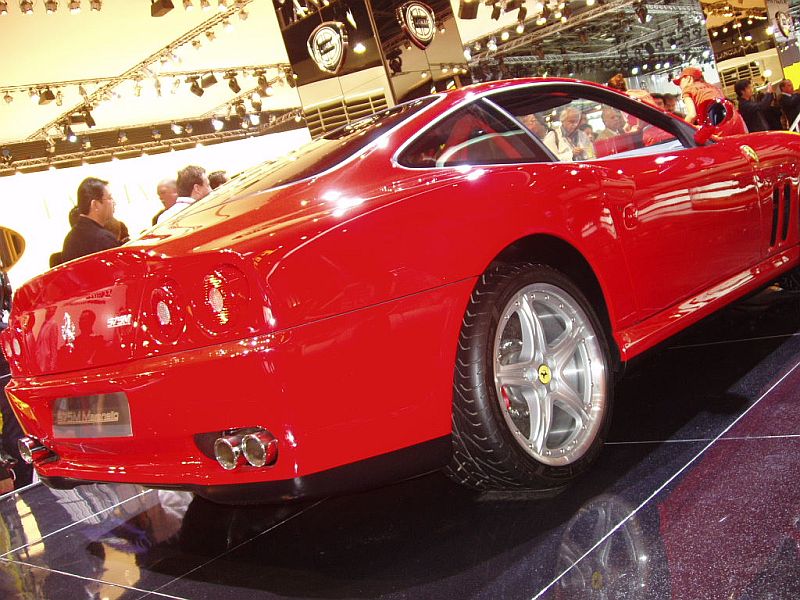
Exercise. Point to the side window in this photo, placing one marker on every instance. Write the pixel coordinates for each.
(578, 129)
(473, 135)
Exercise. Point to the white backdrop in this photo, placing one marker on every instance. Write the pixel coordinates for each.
(37, 205)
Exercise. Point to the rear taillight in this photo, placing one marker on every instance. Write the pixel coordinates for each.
(224, 296)
(165, 314)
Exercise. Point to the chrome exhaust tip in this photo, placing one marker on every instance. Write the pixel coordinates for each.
(260, 448)
(32, 451)
(228, 451)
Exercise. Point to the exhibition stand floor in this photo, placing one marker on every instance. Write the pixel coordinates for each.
(695, 496)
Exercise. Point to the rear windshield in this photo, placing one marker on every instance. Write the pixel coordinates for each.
(329, 150)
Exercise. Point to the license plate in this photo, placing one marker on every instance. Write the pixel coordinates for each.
(100, 415)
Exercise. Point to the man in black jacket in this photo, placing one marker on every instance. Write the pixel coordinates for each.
(752, 110)
(95, 208)
(790, 101)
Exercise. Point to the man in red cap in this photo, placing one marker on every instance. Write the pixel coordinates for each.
(695, 91)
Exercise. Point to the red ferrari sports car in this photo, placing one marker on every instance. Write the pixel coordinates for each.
(434, 286)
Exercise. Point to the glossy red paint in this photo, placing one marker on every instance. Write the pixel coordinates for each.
(343, 295)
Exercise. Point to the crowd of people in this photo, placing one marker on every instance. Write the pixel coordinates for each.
(92, 224)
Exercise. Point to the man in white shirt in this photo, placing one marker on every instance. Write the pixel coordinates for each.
(192, 185)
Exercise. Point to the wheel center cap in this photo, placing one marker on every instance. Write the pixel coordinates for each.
(544, 374)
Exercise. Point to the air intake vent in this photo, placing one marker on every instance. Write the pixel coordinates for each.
(327, 117)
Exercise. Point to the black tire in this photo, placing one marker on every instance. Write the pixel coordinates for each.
(490, 451)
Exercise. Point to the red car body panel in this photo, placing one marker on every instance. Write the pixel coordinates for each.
(344, 338)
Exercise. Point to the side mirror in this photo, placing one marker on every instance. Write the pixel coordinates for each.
(712, 115)
(12, 245)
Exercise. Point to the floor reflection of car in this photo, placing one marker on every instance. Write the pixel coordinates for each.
(427, 287)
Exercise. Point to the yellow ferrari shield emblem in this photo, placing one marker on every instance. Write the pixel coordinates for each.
(749, 153)
(544, 374)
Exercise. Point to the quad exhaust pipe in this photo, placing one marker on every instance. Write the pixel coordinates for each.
(33, 451)
(254, 446)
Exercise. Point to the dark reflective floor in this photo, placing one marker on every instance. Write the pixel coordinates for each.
(696, 496)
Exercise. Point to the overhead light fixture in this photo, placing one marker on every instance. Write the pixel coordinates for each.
(256, 104)
(468, 9)
(254, 119)
(240, 109)
(8, 98)
(96, 5)
(496, 10)
(262, 83)
(243, 14)
(195, 88)
(158, 8)
(50, 6)
(87, 117)
(226, 25)
(217, 124)
(176, 128)
(522, 14)
(205, 5)
(187, 5)
(155, 134)
(233, 83)
(86, 144)
(3, 8)
(211, 35)
(47, 96)
(34, 94)
(59, 98)
(75, 7)
(208, 80)
(69, 134)
(122, 138)
(26, 6)
(222, 5)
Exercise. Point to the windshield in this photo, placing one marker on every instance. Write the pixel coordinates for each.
(327, 151)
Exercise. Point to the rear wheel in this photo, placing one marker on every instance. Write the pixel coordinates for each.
(532, 387)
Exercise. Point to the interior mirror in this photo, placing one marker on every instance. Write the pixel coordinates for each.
(712, 114)
(12, 245)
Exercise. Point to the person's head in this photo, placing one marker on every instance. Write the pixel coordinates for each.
(73, 216)
(535, 124)
(587, 130)
(217, 178)
(670, 102)
(193, 183)
(612, 118)
(688, 76)
(658, 100)
(95, 201)
(743, 89)
(167, 191)
(119, 229)
(570, 117)
(617, 82)
(786, 86)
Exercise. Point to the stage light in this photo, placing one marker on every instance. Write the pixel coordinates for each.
(195, 88)
(158, 8)
(520, 28)
(69, 134)
(176, 128)
(496, 10)
(187, 5)
(222, 5)
(122, 138)
(217, 124)
(86, 144)
(8, 98)
(468, 9)
(47, 96)
(205, 5)
(3, 8)
(208, 80)
(262, 83)
(59, 98)
(88, 119)
(254, 119)
(96, 5)
(155, 134)
(240, 109)
(233, 83)
(75, 7)
(26, 6)
(522, 14)
(50, 6)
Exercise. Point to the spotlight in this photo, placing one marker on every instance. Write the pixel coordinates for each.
(208, 80)
(240, 109)
(96, 5)
(87, 117)
(187, 5)
(217, 124)
(262, 83)
(243, 15)
(520, 28)
(233, 83)
(8, 98)
(205, 5)
(211, 35)
(496, 10)
(254, 119)
(523, 12)
(26, 6)
(176, 128)
(59, 98)
(69, 134)
(158, 8)
(3, 8)
(7, 156)
(195, 87)
(290, 77)
(47, 96)
(50, 6)
(256, 104)
(75, 7)
(468, 9)
(155, 134)
(222, 5)
(86, 144)
(188, 129)
(51, 146)
(122, 138)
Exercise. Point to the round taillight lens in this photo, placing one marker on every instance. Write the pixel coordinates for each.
(225, 294)
(167, 322)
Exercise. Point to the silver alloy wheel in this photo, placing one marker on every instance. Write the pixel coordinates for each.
(550, 374)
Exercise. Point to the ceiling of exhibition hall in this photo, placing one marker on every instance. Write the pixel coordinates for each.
(122, 48)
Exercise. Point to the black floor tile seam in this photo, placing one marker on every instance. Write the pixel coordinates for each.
(74, 523)
(735, 438)
(664, 485)
(239, 545)
(89, 579)
(760, 338)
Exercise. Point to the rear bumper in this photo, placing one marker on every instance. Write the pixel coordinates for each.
(362, 392)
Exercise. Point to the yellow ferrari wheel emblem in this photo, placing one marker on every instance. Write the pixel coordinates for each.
(544, 374)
